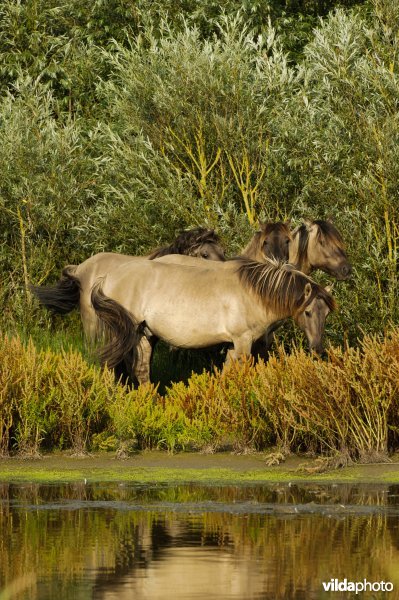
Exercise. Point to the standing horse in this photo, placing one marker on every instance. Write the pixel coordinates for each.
(313, 245)
(75, 285)
(235, 302)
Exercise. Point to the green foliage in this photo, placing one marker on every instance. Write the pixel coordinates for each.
(48, 182)
(121, 124)
(82, 395)
(139, 418)
(343, 135)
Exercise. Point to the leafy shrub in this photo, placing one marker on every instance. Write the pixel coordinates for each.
(344, 406)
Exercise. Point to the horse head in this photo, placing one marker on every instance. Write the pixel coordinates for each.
(311, 316)
(321, 247)
(275, 240)
(271, 241)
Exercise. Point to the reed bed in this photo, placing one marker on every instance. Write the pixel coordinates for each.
(344, 407)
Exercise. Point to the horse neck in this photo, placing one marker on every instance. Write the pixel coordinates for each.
(267, 315)
(297, 259)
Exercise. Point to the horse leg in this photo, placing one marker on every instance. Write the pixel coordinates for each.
(261, 347)
(89, 320)
(143, 365)
(241, 349)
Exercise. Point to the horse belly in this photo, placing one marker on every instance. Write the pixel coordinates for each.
(185, 328)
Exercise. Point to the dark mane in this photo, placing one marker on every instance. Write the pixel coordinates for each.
(330, 232)
(278, 286)
(303, 244)
(187, 242)
(324, 228)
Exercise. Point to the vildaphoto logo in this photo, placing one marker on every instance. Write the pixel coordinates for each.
(335, 585)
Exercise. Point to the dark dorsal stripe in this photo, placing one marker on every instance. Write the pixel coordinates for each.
(302, 244)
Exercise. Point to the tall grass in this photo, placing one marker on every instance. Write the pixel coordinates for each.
(345, 407)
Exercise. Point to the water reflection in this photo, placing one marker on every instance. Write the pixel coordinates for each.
(109, 541)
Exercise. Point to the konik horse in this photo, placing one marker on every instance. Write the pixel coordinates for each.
(74, 287)
(235, 302)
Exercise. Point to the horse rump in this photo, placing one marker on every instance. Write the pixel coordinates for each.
(121, 330)
(62, 297)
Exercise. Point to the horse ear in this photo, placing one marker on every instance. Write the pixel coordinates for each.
(329, 288)
(288, 222)
(307, 291)
(330, 219)
(308, 223)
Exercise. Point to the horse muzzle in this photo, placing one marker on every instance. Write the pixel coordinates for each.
(345, 272)
(319, 350)
(341, 273)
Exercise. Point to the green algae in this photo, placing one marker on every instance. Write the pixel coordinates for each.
(158, 467)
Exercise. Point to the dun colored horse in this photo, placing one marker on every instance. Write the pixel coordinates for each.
(74, 287)
(235, 302)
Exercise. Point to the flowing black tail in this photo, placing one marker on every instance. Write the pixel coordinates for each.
(62, 297)
(120, 328)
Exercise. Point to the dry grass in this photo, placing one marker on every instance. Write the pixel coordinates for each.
(344, 408)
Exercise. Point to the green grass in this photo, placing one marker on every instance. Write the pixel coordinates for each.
(179, 469)
(62, 336)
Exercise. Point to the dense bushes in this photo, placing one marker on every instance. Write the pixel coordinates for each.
(345, 407)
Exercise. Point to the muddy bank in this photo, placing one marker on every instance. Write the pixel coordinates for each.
(161, 467)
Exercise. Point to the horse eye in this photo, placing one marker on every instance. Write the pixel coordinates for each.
(308, 313)
(287, 242)
(205, 255)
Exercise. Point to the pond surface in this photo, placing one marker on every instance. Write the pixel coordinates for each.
(126, 541)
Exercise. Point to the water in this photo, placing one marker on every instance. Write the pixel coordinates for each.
(269, 542)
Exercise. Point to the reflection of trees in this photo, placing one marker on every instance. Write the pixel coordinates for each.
(287, 555)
